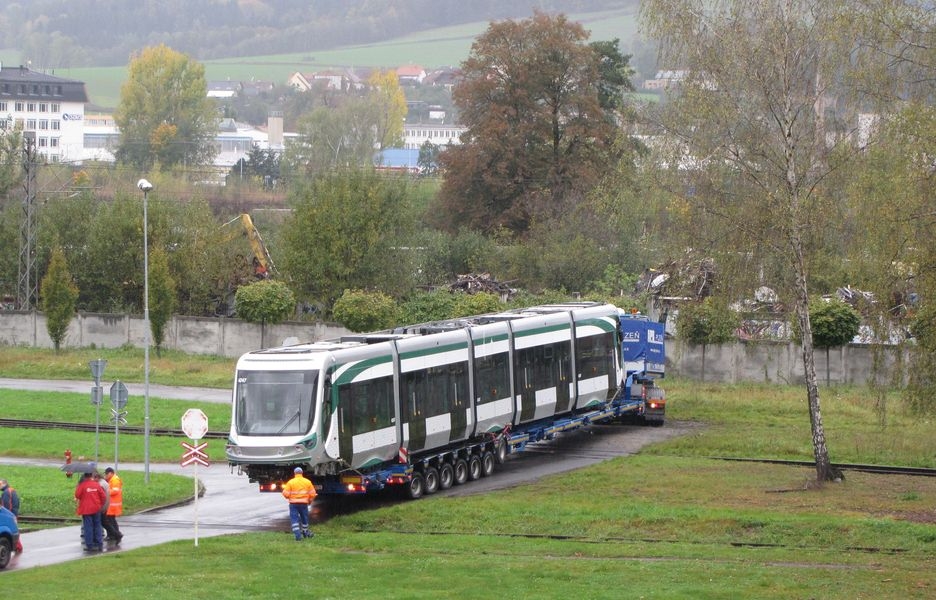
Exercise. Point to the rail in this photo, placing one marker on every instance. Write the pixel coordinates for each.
(85, 427)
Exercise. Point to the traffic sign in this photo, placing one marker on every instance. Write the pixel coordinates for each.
(194, 424)
(118, 395)
(118, 417)
(195, 454)
(97, 395)
(97, 368)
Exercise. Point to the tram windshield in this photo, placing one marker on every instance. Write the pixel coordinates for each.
(275, 402)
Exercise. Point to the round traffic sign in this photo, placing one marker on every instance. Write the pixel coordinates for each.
(194, 423)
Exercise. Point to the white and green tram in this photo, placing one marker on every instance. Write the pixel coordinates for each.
(424, 406)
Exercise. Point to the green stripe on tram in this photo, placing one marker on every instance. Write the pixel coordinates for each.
(359, 367)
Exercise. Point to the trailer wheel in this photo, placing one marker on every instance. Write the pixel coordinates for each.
(461, 471)
(500, 451)
(474, 467)
(431, 477)
(487, 464)
(446, 476)
(416, 486)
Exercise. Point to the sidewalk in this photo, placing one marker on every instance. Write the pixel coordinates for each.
(230, 504)
(134, 389)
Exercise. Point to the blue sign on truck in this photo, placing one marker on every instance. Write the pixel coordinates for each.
(644, 357)
(642, 345)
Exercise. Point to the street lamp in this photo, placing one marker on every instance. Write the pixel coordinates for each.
(145, 186)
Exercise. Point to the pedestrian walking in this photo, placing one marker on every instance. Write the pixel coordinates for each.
(10, 500)
(300, 493)
(115, 506)
(90, 496)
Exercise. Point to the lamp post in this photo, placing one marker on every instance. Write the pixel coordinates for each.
(145, 186)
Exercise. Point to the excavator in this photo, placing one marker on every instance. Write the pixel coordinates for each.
(261, 267)
(262, 263)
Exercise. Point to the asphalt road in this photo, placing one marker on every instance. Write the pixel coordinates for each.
(231, 504)
(134, 389)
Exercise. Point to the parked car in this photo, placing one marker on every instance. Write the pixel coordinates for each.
(9, 536)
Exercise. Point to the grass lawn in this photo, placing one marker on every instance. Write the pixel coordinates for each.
(126, 364)
(670, 522)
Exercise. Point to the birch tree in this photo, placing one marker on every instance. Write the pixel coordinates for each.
(763, 113)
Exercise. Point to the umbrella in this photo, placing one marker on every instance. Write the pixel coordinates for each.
(80, 467)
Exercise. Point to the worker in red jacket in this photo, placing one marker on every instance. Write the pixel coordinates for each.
(91, 498)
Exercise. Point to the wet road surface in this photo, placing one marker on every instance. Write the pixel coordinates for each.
(231, 504)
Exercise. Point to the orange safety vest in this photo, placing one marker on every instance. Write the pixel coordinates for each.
(116, 496)
(299, 490)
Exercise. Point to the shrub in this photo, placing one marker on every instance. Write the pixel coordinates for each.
(365, 311)
(265, 301)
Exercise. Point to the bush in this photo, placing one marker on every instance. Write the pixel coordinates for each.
(476, 304)
(265, 301)
(427, 306)
(834, 323)
(706, 323)
(365, 311)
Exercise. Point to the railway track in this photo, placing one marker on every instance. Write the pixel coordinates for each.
(85, 427)
(881, 469)
(594, 454)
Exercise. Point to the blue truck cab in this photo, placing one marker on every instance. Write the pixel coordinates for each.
(9, 536)
(644, 356)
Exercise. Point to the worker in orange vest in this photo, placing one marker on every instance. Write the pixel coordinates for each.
(115, 509)
(300, 493)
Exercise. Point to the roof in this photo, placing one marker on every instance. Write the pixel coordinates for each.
(22, 82)
(399, 158)
(411, 71)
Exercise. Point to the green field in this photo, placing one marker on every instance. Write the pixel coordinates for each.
(673, 521)
(447, 46)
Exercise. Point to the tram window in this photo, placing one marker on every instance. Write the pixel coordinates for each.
(595, 356)
(492, 377)
(435, 390)
(366, 405)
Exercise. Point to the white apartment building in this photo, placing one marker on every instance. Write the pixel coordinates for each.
(416, 134)
(47, 107)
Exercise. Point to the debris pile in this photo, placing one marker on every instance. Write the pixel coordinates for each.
(481, 282)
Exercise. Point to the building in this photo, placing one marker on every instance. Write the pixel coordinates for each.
(233, 140)
(224, 89)
(47, 107)
(411, 74)
(664, 80)
(415, 135)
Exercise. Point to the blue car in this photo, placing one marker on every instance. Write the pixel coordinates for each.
(9, 536)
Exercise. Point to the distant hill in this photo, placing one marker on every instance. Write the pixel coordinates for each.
(431, 48)
(51, 34)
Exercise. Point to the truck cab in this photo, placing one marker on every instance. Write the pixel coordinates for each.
(9, 536)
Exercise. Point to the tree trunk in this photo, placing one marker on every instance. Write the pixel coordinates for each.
(824, 471)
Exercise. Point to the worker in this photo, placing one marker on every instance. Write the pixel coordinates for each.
(115, 509)
(90, 497)
(10, 500)
(300, 493)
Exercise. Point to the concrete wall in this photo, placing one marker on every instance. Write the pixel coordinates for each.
(769, 362)
(197, 335)
(780, 362)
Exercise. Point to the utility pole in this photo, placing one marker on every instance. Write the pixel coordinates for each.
(27, 286)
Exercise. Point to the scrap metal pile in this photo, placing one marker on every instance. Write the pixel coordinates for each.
(482, 282)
